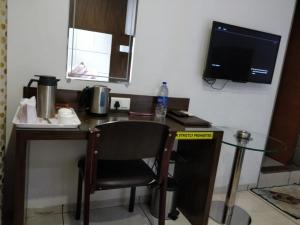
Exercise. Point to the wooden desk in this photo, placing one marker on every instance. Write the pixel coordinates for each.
(196, 175)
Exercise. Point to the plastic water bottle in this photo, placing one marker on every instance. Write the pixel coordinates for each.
(162, 101)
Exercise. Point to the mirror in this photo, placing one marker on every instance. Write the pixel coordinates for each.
(101, 39)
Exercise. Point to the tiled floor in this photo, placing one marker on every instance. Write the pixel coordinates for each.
(104, 216)
(261, 212)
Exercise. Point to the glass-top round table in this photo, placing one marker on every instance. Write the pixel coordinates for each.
(227, 212)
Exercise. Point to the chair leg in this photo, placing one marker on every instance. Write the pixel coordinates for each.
(132, 199)
(162, 203)
(79, 197)
(86, 206)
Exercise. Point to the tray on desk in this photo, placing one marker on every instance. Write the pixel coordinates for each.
(42, 123)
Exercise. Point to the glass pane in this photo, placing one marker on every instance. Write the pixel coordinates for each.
(257, 141)
(89, 55)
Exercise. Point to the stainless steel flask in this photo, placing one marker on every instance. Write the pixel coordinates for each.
(46, 88)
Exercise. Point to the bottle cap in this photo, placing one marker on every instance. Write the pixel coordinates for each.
(164, 82)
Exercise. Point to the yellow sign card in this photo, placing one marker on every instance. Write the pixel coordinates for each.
(195, 135)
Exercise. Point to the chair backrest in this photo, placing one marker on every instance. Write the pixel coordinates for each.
(129, 140)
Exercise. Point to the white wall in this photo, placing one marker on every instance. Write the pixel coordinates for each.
(171, 45)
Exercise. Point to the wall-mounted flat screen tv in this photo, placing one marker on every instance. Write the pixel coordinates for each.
(241, 54)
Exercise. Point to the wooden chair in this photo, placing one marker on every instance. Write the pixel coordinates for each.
(114, 160)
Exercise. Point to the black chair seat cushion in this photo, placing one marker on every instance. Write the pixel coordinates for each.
(121, 173)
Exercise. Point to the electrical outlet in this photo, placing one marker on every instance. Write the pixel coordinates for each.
(124, 103)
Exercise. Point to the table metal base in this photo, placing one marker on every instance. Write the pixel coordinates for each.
(239, 216)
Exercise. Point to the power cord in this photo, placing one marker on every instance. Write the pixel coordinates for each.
(209, 81)
(145, 213)
(62, 214)
(155, 165)
(212, 81)
(117, 105)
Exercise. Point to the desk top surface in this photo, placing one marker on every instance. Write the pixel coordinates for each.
(139, 103)
(90, 121)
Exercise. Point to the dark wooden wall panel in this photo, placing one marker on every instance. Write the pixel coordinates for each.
(120, 61)
(286, 117)
(139, 103)
(106, 16)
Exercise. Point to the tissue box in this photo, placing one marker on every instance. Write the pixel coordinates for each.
(27, 112)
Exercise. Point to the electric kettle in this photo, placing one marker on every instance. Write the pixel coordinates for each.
(96, 99)
(46, 88)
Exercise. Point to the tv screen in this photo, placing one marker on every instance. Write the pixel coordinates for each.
(241, 54)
